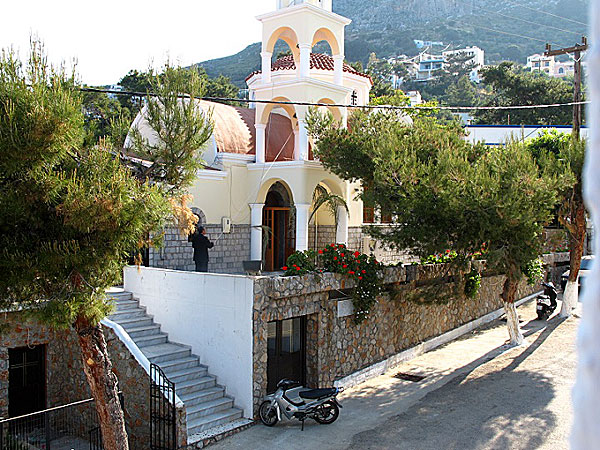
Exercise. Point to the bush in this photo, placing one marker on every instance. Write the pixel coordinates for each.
(300, 263)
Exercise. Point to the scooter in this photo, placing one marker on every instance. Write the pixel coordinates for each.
(298, 402)
(546, 302)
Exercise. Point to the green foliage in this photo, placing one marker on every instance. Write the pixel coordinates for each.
(534, 271)
(332, 202)
(336, 258)
(443, 192)
(180, 129)
(472, 283)
(509, 85)
(300, 263)
(440, 258)
(69, 215)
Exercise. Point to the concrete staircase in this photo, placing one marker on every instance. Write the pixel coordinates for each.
(205, 401)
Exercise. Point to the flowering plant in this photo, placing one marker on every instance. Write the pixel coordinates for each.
(300, 263)
(338, 258)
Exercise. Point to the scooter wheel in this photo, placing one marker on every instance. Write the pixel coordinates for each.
(327, 413)
(267, 415)
(541, 316)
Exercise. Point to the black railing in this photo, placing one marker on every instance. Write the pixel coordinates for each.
(74, 426)
(163, 425)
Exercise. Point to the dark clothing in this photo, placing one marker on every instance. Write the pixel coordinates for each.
(201, 245)
(201, 266)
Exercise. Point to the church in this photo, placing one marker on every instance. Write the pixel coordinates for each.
(255, 195)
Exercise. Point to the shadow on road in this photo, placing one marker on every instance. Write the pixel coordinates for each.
(503, 409)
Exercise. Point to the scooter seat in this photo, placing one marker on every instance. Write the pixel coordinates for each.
(318, 393)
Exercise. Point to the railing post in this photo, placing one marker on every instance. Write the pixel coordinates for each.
(47, 429)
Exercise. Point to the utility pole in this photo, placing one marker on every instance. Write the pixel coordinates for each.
(576, 50)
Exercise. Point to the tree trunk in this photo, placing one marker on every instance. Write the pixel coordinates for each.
(509, 292)
(103, 384)
(576, 241)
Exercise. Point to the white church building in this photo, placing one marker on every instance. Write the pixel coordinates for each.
(260, 168)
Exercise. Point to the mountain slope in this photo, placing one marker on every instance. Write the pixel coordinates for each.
(509, 30)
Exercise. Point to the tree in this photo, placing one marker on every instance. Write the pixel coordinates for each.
(462, 92)
(562, 154)
(443, 192)
(69, 216)
(331, 202)
(511, 86)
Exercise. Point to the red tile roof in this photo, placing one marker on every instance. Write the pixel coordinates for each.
(318, 61)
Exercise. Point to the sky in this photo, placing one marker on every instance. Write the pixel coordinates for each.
(109, 38)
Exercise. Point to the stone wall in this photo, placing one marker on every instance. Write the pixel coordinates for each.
(65, 379)
(336, 347)
(226, 256)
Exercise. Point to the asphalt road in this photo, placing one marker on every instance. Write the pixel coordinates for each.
(477, 395)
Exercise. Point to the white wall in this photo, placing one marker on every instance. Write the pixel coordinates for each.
(499, 134)
(212, 313)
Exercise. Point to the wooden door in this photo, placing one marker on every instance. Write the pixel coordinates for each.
(280, 235)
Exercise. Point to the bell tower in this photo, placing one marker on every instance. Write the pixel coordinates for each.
(300, 24)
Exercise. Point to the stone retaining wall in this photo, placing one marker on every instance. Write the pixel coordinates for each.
(65, 379)
(226, 256)
(336, 347)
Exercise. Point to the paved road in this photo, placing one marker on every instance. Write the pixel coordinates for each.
(476, 395)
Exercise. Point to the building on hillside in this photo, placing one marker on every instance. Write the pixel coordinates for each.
(261, 172)
(430, 65)
(415, 97)
(550, 66)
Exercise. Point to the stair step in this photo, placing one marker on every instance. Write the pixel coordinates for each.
(166, 352)
(205, 395)
(126, 305)
(208, 408)
(187, 374)
(119, 294)
(187, 387)
(147, 330)
(175, 365)
(152, 339)
(212, 420)
(136, 322)
(128, 314)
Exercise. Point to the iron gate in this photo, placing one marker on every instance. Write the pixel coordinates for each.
(163, 429)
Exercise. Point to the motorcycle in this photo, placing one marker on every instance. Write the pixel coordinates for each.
(298, 402)
(546, 302)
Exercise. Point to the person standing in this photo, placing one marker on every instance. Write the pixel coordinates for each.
(201, 244)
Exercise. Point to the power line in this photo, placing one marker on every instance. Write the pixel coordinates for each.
(340, 105)
(527, 21)
(548, 13)
(507, 33)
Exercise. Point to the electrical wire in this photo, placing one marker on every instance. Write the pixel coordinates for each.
(528, 21)
(507, 33)
(546, 12)
(342, 105)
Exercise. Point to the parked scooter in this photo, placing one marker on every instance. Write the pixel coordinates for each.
(546, 302)
(298, 402)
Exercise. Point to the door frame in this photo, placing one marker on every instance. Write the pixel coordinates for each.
(44, 375)
(278, 343)
(288, 242)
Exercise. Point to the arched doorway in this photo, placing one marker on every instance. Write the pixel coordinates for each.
(280, 228)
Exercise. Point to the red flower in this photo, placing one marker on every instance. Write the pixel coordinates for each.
(284, 268)
(333, 245)
(320, 252)
(325, 249)
(447, 251)
(364, 271)
(345, 265)
(335, 258)
(297, 268)
(356, 254)
(360, 278)
(342, 254)
(351, 272)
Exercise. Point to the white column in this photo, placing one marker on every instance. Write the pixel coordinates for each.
(305, 50)
(266, 66)
(302, 213)
(338, 69)
(586, 394)
(302, 150)
(256, 232)
(341, 234)
(260, 142)
(296, 145)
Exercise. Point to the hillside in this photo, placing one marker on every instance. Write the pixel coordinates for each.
(388, 28)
